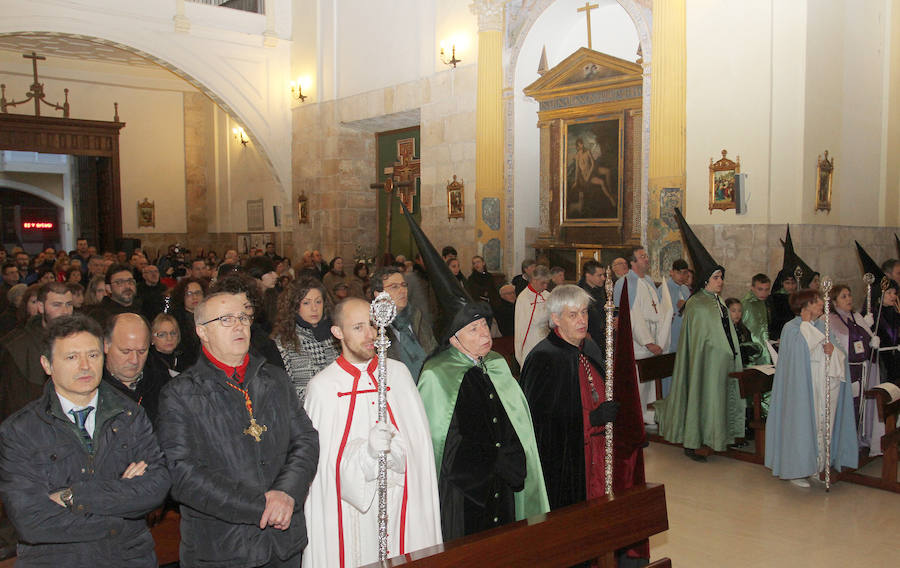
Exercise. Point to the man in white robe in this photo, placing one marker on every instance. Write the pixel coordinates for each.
(532, 318)
(651, 318)
(342, 402)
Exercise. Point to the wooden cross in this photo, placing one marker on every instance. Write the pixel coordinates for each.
(587, 10)
(388, 186)
(406, 170)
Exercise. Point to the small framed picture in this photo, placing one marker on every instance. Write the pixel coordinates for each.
(824, 175)
(722, 177)
(302, 209)
(146, 213)
(456, 207)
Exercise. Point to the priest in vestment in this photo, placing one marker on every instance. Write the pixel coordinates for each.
(704, 406)
(342, 508)
(532, 321)
(485, 453)
(651, 316)
(795, 430)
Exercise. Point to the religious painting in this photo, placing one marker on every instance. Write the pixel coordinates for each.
(592, 192)
(146, 213)
(303, 209)
(255, 218)
(456, 208)
(722, 179)
(824, 174)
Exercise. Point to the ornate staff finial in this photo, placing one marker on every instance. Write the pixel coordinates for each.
(798, 274)
(382, 312)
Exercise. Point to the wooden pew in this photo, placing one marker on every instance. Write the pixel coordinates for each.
(656, 369)
(754, 384)
(888, 413)
(581, 532)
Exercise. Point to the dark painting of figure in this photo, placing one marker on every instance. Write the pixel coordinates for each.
(592, 170)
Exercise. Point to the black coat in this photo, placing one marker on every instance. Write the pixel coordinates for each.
(153, 299)
(146, 393)
(42, 452)
(108, 307)
(596, 311)
(550, 382)
(220, 475)
(22, 377)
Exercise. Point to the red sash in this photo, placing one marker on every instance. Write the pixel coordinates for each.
(533, 308)
(356, 374)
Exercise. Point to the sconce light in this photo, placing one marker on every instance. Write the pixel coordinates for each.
(240, 135)
(297, 90)
(453, 60)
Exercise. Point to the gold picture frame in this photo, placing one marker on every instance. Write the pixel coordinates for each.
(722, 179)
(146, 211)
(456, 203)
(592, 175)
(302, 209)
(824, 177)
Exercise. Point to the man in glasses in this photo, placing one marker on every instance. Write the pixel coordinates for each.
(241, 450)
(412, 340)
(126, 344)
(121, 289)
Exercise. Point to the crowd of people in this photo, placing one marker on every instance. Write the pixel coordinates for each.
(244, 391)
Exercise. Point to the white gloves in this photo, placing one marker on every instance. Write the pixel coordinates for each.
(383, 438)
(875, 342)
(870, 321)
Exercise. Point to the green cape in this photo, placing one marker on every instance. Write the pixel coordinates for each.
(439, 386)
(756, 318)
(704, 406)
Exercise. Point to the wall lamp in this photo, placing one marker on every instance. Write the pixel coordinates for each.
(297, 91)
(453, 60)
(240, 135)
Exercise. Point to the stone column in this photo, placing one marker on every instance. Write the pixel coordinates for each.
(667, 130)
(489, 201)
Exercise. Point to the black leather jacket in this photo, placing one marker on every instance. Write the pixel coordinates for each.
(220, 475)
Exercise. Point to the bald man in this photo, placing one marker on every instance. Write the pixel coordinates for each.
(126, 345)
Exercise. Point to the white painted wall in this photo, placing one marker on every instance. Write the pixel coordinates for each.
(223, 53)
(563, 31)
(778, 83)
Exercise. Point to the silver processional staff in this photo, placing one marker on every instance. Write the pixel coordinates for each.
(382, 312)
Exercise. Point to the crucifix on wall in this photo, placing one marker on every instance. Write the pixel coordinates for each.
(587, 11)
(405, 171)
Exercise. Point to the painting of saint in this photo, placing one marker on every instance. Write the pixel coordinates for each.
(593, 191)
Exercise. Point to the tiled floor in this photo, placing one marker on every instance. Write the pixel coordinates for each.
(727, 513)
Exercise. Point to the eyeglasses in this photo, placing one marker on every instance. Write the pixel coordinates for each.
(193, 293)
(230, 320)
(165, 334)
(395, 287)
(123, 282)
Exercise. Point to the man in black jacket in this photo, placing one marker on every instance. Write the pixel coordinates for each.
(241, 450)
(80, 466)
(122, 289)
(126, 345)
(480, 283)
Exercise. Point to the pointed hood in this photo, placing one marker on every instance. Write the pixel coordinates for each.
(704, 264)
(897, 242)
(791, 263)
(456, 303)
(869, 265)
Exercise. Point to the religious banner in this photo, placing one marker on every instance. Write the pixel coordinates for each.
(592, 194)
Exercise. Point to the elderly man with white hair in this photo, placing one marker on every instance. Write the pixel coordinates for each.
(563, 382)
(531, 313)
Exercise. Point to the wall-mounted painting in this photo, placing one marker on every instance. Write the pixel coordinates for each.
(824, 175)
(592, 192)
(722, 176)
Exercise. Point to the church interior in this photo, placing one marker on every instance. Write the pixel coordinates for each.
(510, 129)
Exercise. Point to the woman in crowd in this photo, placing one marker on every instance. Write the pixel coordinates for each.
(795, 432)
(359, 282)
(61, 269)
(28, 308)
(186, 296)
(453, 264)
(303, 332)
(95, 291)
(164, 339)
(73, 275)
(334, 276)
(854, 337)
(889, 334)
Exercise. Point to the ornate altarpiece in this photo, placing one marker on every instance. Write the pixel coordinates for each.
(590, 122)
